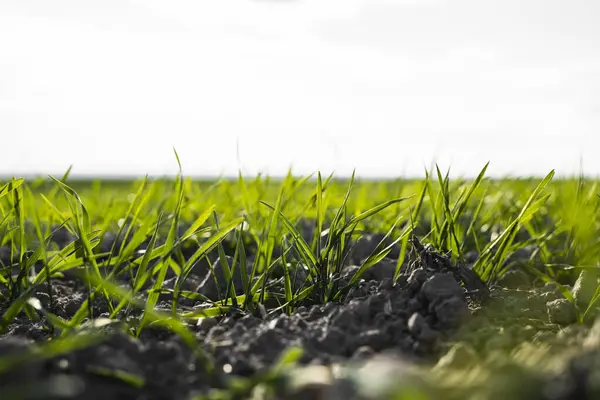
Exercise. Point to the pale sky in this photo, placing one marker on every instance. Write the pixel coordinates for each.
(383, 86)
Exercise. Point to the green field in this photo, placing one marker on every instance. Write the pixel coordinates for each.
(128, 251)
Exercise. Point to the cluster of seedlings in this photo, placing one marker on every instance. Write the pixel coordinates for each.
(283, 290)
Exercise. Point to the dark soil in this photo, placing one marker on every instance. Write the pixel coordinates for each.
(413, 319)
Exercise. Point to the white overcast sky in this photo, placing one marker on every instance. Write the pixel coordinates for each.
(383, 86)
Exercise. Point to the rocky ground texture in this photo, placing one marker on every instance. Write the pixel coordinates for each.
(437, 313)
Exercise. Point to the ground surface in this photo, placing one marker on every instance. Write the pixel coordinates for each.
(412, 323)
(418, 324)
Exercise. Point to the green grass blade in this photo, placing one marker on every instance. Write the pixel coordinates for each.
(350, 225)
(163, 264)
(9, 187)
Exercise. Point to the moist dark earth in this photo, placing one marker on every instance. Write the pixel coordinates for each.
(412, 320)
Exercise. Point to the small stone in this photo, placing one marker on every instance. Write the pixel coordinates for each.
(593, 338)
(344, 319)
(373, 338)
(549, 296)
(420, 330)
(415, 323)
(363, 353)
(413, 305)
(561, 311)
(416, 279)
(441, 286)
(526, 332)
(205, 324)
(450, 313)
(551, 287)
(461, 355)
(44, 299)
(585, 287)
(334, 339)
